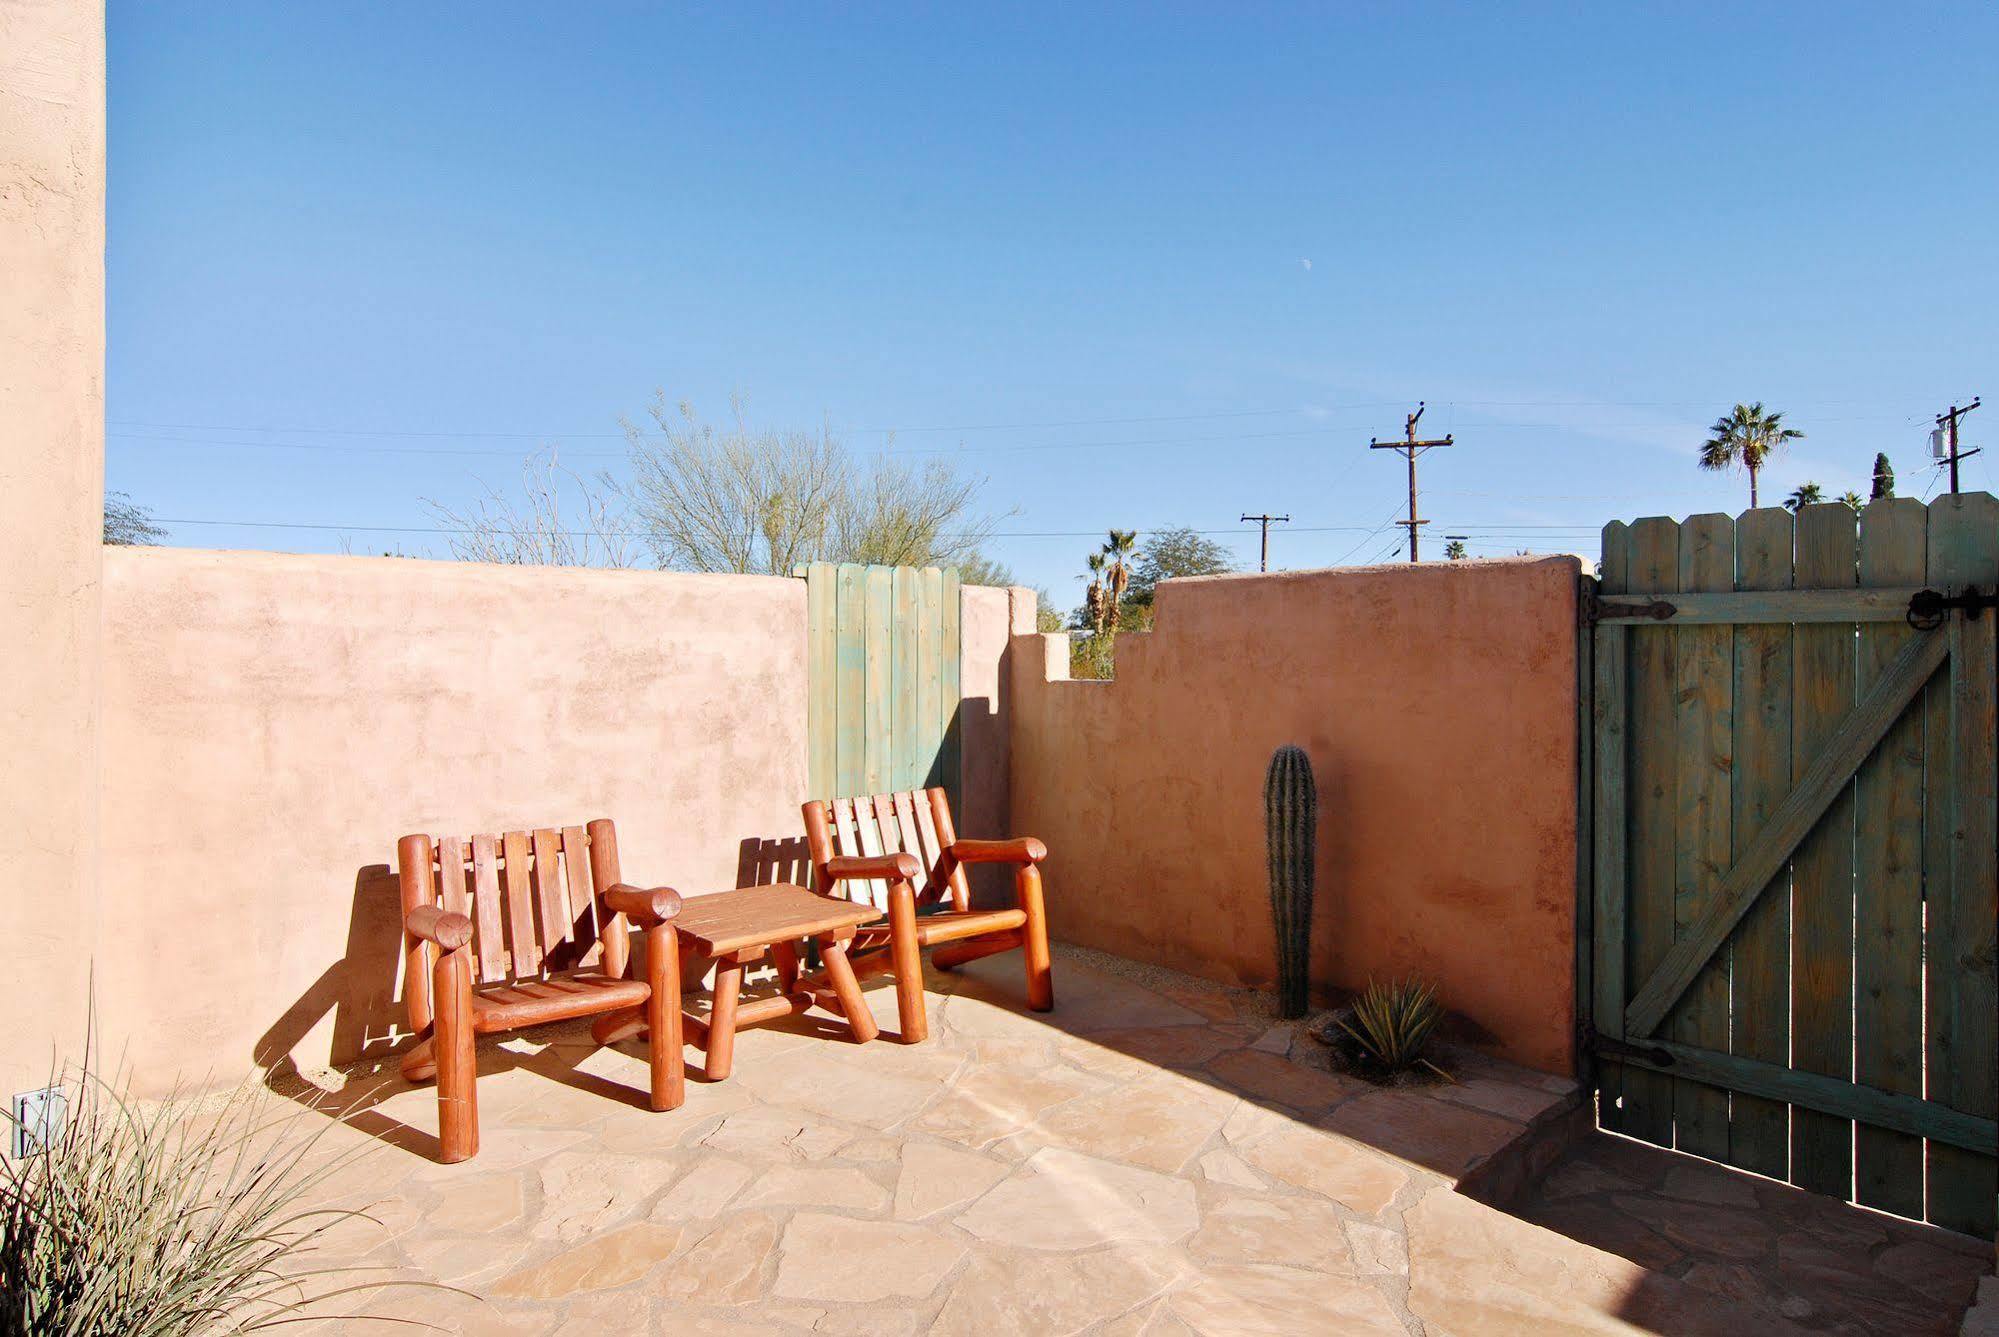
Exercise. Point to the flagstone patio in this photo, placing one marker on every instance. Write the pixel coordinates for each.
(1157, 1156)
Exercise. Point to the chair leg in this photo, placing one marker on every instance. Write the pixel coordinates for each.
(1034, 939)
(722, 1021)
(668, 1060)
(452, 1048)
(840, 974)
(908, 956)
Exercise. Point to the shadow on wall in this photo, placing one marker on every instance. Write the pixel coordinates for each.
(357, 991)
(763, 860)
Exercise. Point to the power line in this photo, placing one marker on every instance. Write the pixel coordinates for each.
(640, 533)
(1019, 426)
(1109, 422)
(1575, 496)
(351, 448)
(344, 448)
(158, 428)
(620, 435)
(1342, 559)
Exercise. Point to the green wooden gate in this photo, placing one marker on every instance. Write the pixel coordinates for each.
(1794, 848)
(882, 678)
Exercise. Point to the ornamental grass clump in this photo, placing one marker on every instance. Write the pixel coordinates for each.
(1389, 1026)
(154, 1221)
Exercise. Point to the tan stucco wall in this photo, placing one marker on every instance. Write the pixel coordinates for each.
(274, 723)
(1438, 705)
(51, 490)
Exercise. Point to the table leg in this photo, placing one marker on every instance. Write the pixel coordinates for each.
(784, 956)
(840, 974)
(722, 1020)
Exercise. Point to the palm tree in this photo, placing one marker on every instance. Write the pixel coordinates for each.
(1854, 501)
(1093, 594)
(1745, 436)
(1454, 551)
(1117, 550)
(1803, 495)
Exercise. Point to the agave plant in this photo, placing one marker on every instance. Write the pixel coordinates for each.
(154, 1221)
(1392, 1024)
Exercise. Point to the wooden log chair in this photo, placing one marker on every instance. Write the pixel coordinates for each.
(541, 935)
(875, 850)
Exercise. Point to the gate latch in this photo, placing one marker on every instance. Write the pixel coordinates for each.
(1598, 1043)
(1928, 607)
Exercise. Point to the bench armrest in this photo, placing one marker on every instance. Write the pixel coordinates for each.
(447, 929)
(646, 908)
(1025, 849)
(899, 867)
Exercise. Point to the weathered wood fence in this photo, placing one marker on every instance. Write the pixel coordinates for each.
(882, 678)
(1794, 847)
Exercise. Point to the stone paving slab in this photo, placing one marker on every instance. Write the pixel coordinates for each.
(1157, 1156)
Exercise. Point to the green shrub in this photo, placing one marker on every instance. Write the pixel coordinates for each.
(159, 1220)
(1093, 656)
(1392, 1023)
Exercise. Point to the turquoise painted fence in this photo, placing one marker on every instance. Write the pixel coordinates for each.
(882, 690)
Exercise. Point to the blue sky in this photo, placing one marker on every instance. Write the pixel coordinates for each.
(1134, 267)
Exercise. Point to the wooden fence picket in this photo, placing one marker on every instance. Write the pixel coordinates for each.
(1760, 1129)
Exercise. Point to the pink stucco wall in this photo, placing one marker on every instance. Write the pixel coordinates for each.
(272, 724)
(51, 494)
(1438, 705)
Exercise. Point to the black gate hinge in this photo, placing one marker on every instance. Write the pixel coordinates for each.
(1928, 607)
(1595, 1042)
(1593, 609)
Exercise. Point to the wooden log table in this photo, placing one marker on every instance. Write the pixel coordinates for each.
(734, 929)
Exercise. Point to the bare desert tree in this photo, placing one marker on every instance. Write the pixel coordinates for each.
(731, 499)
(533, 531)
(897, 514)
(741, 499)
(127, 523)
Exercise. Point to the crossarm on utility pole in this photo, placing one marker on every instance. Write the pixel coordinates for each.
(1266, 521)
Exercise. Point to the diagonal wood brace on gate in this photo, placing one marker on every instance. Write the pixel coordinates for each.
(1827, 777)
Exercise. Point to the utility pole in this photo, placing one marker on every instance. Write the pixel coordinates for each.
(1411, 448)
(1267, 521)
(1943, 441)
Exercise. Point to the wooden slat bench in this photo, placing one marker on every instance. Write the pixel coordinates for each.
(540, 935)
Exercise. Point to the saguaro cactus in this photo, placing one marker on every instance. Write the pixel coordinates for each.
(1290, 824)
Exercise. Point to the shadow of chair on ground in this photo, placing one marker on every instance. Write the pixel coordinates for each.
(351, 1028)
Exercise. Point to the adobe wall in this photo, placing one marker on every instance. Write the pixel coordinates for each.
(1438, 705)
